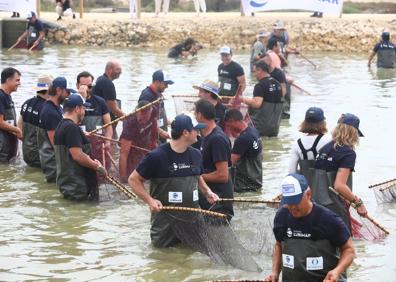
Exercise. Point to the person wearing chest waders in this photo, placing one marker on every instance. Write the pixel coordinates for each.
(231, 74)
(306, 148)
(76, 171)
(96, 115)
(259, 48)
(246, 154)
(9, 132)
(50, 116)
(161, 81)
(334, 166)
(174, 171)
(216, 159)
(34, 34)
(312, 243)
(139, 136)
(385, 51)
(266, 106)
(28, 121)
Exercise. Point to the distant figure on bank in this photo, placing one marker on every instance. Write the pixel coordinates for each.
(182, 50)
(34, 33)
(9, 132)
(28, 121)
(165, 7)
(385, 51)
(64, 8)
(317, 15)
(259, 48)
(200, 4)
(15, 15)
(231, 74)
(246, 154)
(133, 8)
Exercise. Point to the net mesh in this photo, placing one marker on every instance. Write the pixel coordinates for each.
(385, 192)
(364, 229)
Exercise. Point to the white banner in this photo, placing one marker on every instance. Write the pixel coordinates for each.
(325, 6)
(21, 6)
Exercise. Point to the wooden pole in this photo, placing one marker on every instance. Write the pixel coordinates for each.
(242, 10)
(81, 6)
(38, 8)
(139, 8)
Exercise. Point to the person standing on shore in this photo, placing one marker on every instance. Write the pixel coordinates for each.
(64, 8)
(28, 121)
(165, 7)
(9, 132)
(50, 116)
(231, 74)
(385, 51)
(200, 4)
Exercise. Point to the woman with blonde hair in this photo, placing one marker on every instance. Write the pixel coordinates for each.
(334, 166)
(306, 148)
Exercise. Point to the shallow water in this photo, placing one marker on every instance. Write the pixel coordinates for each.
(45, 237)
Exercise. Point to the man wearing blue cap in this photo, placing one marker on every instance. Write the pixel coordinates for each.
(161, 80)
(309, 238)
(76, 175)
(174, 171)
(385, 51)
(50, 116)
(34, 33)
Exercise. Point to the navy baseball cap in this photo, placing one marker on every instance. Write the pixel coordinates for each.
(186, 122)
(385, 35)
(75, 100)
(31, 15)
(351, 120)
(162, 76)
(62, 82)
(293, 187)
(314, 114)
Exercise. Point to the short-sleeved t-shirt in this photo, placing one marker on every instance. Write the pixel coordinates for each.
(69, 135)
(330, 159)
(98, 106)
(137, 133)
(382, 45)
(6, 102)
(269, 89)
(320, 224)
(220, 113)
(248, 144)
(258, 49)
(163, 162)
(279, 75)
(105, 88)
(30, 110)
(50, 116)
(231, 71)
(148, 94)
(215, 148)
(37, 25)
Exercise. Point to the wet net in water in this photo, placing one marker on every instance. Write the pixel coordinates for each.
(385, 192)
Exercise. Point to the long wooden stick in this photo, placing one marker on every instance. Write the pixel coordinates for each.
(205, 212)
(112, 160)
(376, 223)
(31, 48)
(301, 89)
(196, 96)
(243, 280)
(308, 60)
(388, 186)
(124, 117)
(118, 142)
(253, 201)
(13, 46)
(277, 197)
(381, 183)
(121, 187)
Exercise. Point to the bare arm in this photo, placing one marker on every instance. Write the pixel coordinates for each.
(41, 36)
(20, 123)
(254, 102)
(22, 37)
(284, 89)
(136, 181)
(276, 263)
(83, 159)
(346, 258)
(124, 152)
(371, 57)
(113, 106)
(51, 135)
(242, 83)
(220, 175)
(10, 128)
(205, 190)
(341, 186)
(235, 158)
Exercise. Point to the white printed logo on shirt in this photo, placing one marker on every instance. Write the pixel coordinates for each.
(288, 261)
(195, 195)
(314, 263)
(175, 197)
(255, 145)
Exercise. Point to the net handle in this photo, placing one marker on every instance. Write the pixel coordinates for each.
(242, 200)
(373, 221)
(390, 185)
(381, 183)
(125, 116)
(118, 142)
(187, 209)
(121, 187)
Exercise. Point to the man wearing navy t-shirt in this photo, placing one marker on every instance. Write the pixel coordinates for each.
(216, 158)
(246, 155)
(385, 51)
(231, 74)
(50, 116)
(174, 171)
(34, 33)
(161, 81)
(309, 238)
(9, 132)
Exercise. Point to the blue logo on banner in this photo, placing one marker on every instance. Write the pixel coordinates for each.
(258, 3)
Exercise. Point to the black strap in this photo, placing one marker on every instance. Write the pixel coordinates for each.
(312, 149)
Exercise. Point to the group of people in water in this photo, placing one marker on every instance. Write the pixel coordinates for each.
(70, 134)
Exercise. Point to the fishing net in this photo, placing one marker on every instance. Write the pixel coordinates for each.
(184, 103)
(385, 192)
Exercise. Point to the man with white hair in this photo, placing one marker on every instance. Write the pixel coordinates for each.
(259, 48)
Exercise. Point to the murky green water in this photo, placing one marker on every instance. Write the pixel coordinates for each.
(43, 237)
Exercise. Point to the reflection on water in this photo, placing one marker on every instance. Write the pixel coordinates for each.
(44, 236)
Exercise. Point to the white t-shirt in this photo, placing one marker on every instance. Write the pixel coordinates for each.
(307, 141)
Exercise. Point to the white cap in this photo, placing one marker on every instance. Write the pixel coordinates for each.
(225, 50)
